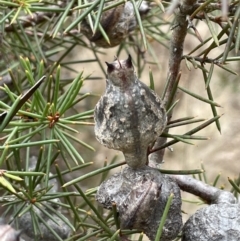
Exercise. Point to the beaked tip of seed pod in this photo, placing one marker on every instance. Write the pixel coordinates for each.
(129, 61)
(110, 67)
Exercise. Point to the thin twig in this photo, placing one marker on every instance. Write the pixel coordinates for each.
(29, 21)
(36, 18)
(209, 194)
(176, 44)
(176, 52)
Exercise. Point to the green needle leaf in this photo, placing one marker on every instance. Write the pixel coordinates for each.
(67, 98)
(82, 16)
(199, 97)
(19, 102)
(151, 79)
(210, 96)
(115, 215)
(62, 19)
(21, 145)
(164, 217)
(56, 87)
(216, 180)
(191, 132)
(237, 44)
(45, 223)
(99, 14)
(16, 178)
(209, 75)
(226, 68)
(93, 173)
(115, 235)
(7, 116)
(235, 186)
(231, 35)
(211, 28)
(139, 20)
(6, 184)
(177, 124)
(178, 138)
(69, 147)
(141, 237)
(181, 172)
(19, 173)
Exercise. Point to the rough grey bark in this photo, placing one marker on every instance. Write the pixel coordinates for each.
(129, 116)
(140, 196)
(217, 222)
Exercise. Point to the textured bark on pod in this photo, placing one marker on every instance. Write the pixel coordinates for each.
(117, 22)
(7, 233)
(217, 222)
(220, 221)
(58, 226)
(129, 116)
(141, 196)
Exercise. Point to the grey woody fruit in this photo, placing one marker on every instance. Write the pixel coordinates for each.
(217, 222)
(117, 22)
(129, 116)
(140, 197)
(44, 234)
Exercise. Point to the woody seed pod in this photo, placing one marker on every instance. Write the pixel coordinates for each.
(140, 197)
(129, 116)
(117, 22)
(217, 222)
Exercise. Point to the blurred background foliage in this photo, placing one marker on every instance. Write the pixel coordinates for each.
(51, 136)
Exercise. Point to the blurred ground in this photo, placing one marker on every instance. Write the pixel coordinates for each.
(220, 154)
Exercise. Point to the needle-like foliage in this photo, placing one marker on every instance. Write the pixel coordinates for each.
(43, 158)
